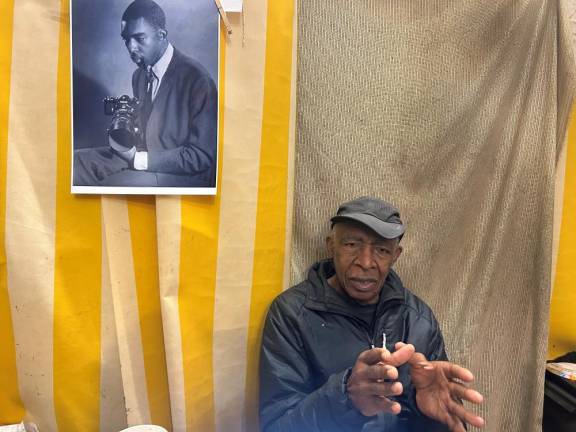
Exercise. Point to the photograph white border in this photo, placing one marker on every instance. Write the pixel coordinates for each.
(141, 190)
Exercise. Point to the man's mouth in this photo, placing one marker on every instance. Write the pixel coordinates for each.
(136, 58)
(363, 284)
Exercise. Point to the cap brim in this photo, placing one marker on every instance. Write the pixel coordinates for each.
(383, 229)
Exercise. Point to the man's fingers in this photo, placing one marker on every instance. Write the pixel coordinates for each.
(464, 415)
(452, 371)
(383, 404)
(455, 371)
(418, 360)
(400, 356)
(381, 372)
(372, 405)
(376, 389)
(384, 389)
(371, 356)
(455, 424)
(391, 406)
(397, 358)
(465, 393)
(399, 345)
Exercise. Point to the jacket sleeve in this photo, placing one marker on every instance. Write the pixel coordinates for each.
(290, 400)
(436, 349)
(198, 153)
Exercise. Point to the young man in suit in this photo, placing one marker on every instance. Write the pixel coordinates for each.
(177, 114)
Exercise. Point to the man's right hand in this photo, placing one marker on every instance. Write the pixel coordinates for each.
(373, 380)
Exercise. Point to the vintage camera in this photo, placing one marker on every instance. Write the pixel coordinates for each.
(123, 133)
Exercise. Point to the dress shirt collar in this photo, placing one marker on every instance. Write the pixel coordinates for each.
(161, 65)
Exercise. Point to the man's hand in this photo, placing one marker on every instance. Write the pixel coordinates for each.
(367, 388)
(439, 391)
(126, 153)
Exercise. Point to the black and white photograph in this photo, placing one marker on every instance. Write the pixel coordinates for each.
(144, 96)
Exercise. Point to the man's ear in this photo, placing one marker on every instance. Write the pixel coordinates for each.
(397, 253)
(330, 245)
(162, 34)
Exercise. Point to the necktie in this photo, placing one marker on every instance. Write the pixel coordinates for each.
(146, 107)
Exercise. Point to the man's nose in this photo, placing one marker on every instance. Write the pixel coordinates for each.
(131, 45)
(364, 258)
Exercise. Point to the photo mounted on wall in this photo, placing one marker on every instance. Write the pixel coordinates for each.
(144, 96)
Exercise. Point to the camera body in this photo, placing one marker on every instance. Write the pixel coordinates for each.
(124, 131)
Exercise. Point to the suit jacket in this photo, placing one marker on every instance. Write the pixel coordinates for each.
(182, 130)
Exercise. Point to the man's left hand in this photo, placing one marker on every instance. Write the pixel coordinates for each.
(440, 390)
(127, 155)
(122, 149)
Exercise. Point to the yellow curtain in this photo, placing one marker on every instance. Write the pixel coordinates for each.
(562, 337)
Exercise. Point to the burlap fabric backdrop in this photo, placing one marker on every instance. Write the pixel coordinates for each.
(456, 112)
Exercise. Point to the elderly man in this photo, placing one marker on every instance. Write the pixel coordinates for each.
(351, 349)
(177, 114)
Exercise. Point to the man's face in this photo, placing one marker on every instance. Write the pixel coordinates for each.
(362, 260)
(144, 42)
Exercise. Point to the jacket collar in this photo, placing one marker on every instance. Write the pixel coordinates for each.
(324, 297)
(167, 79)
(161, 66)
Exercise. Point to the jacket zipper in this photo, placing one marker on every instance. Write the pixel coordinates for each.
(371, 335)
(377, 316)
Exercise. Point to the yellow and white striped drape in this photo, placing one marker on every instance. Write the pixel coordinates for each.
(117, 311)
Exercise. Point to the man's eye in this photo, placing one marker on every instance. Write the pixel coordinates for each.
(140, 39)
(350, 244)
(382, 251)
